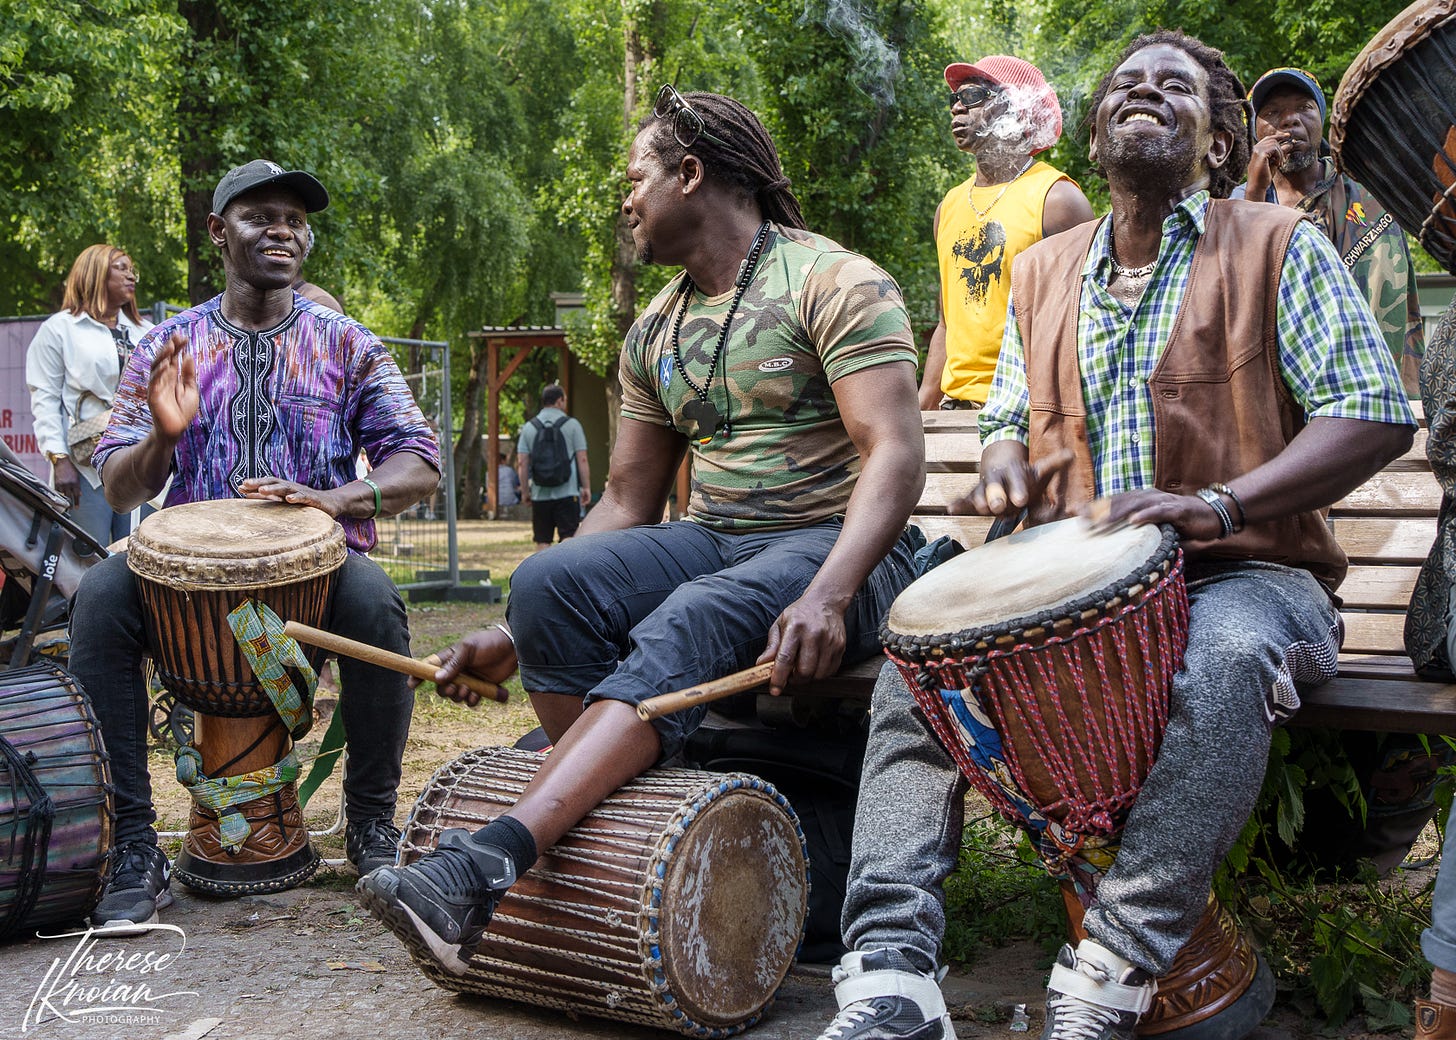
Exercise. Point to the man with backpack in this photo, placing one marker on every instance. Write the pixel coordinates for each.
(551, 460)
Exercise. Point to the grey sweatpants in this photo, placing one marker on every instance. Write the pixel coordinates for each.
(1255, 630)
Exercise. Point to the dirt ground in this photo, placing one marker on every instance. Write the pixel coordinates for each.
(309, 963)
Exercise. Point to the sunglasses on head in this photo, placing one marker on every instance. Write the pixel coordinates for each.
(971, 95)
(687, 125)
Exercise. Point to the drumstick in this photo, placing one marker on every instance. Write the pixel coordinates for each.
(387, 659)
(665, 704)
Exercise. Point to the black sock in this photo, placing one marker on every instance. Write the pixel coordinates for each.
(511, 835)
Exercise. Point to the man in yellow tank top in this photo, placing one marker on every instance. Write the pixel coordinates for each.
(1004, 113)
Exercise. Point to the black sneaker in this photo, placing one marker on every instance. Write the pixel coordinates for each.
(882, 997)
(1094, 994)
(371, 844)
(439, 905)
(137, 886)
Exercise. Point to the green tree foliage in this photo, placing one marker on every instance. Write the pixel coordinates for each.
(84, 147)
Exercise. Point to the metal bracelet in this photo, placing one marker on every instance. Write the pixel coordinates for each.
(1225, 518)
(507, 632)
(1224, 489)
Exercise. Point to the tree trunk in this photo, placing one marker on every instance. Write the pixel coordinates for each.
(624, 257)
(468, 463)
(198, 122)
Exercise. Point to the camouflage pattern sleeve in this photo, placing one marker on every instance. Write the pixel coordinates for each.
(644, 352)
(855, 315)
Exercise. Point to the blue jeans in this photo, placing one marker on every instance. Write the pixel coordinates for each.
(1255, 630)
(1438, 942)
(626, 615)
(108, 642)
(94, 516)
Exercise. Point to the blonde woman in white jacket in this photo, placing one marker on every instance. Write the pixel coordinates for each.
(72, 368)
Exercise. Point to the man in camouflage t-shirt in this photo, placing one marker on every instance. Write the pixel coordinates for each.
(785, 364)
(812, 314)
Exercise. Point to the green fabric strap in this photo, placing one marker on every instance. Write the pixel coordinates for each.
(269, 652)
(326, 759)
(222, 794)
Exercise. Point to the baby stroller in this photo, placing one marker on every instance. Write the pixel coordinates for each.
(43, 554)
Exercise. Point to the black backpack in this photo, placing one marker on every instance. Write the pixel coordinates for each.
(550, 461)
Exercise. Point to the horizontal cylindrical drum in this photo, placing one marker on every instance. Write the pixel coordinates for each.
(678, 902)
(56, 814)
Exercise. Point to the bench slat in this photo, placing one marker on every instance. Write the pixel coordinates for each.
(1382, 587)
(1405, 540)
(1393, 706)
(1374, 633)
(1392, 494)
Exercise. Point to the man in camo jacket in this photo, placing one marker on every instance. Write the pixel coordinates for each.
(1288, 167)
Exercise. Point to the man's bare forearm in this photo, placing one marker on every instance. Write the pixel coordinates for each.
(134, 474)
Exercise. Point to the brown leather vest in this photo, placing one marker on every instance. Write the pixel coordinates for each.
(1220, 405)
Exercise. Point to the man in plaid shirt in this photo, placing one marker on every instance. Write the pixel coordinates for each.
(1188, 361)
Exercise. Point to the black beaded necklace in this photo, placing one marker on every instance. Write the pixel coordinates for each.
(703, 411)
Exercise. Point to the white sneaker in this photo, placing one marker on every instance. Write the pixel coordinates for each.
(882, 997)
(1094, 994)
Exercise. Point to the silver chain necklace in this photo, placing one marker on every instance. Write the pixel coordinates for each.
(970, 197)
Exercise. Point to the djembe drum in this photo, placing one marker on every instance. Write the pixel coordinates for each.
(678, 902)
(1049, 687)
(195, 564)
(1393, 126)
(55, 805)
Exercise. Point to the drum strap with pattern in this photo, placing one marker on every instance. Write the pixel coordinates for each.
(279, 665)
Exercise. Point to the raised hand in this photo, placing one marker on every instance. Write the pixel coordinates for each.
(172, 392)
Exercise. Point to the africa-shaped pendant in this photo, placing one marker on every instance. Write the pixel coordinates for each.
(706, 415)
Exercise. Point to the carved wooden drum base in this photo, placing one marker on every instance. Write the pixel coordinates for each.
(1218, 988)
(277, 854)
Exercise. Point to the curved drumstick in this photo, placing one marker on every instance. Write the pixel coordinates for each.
(665, 704)
(387, 659)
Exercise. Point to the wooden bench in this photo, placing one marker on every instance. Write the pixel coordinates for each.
(1386, 526)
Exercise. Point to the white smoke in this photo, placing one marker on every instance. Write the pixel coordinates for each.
(1028, 116)
(877, 62)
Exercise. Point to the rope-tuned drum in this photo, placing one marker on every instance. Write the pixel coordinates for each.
(1043, 663)
(1393, 125)
(55, 801)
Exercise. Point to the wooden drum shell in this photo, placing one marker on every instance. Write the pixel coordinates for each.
(679, 902)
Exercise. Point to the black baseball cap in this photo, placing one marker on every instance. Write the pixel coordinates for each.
(259, 172)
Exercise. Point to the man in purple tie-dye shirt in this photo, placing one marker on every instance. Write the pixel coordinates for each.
(257, 393)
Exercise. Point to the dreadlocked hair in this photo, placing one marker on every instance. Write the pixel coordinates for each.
(749, 162)
(1228, 104)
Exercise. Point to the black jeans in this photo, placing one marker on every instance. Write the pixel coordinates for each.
(108, 642)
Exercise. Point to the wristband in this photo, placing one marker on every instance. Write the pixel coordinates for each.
(378, 497)
(1224, 489)
(507, 632)
(1225, 518)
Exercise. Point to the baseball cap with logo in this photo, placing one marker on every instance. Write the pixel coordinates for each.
(1005, 70)
(260, 172)
(1287, 77)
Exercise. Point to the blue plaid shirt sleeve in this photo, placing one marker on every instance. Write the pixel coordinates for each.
(1007, 415)
(1331, 350)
